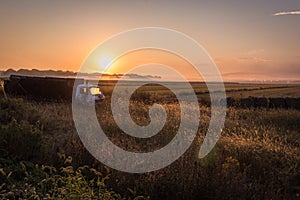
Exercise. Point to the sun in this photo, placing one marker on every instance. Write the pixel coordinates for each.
(105, 61)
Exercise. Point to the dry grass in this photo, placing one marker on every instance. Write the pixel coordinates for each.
(258, 153)
(257, 157)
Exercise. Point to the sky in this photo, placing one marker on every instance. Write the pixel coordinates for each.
(248, 40)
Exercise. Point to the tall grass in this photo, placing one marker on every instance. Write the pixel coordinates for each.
(2, 89)
(257, 157)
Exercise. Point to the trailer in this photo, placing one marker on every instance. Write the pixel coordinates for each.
(41, 88)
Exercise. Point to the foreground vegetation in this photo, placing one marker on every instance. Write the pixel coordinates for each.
(257, 157)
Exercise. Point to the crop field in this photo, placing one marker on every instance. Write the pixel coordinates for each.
(256, 157)
(235, 90)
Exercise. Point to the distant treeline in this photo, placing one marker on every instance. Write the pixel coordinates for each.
(60, 73)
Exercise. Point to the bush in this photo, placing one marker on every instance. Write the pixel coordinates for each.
(48, 182)
(21, 141)
(20, 131)
(18, 110)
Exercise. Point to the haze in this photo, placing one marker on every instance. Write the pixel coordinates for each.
(248, 40)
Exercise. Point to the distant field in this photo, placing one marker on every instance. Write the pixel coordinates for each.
(265, 91)
(235, 90)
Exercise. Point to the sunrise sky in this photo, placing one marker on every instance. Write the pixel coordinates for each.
(248, 40)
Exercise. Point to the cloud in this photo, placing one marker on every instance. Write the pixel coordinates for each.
(287, 13)
(253, 59)
(255, 51)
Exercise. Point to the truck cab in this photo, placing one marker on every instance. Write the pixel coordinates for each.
(87, 94)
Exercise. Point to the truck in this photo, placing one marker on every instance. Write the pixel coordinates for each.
(87, 94)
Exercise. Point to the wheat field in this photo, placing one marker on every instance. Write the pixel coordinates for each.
(257, 156)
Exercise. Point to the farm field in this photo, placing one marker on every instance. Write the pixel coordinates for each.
(257, 156)
(235, 90)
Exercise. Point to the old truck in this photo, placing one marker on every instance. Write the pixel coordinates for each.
(87, 94)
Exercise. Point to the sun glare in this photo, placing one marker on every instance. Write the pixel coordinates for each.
(105, 61)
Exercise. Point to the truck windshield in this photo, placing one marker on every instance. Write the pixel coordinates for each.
(95, 91)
